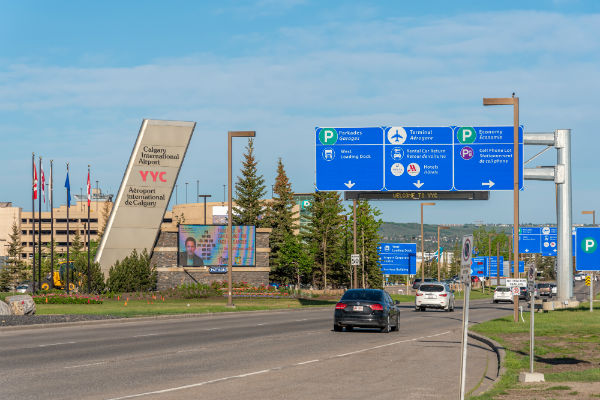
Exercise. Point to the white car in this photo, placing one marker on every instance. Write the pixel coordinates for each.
(578, 277)
(434, 295)
(503, 293)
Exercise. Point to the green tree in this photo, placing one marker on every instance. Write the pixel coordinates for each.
(105, 215)
(324, 234)
(368, 238)
(294, 260)
(133, 273)
(80, 268)
(249, 190)
(15, 270)
(280, 217)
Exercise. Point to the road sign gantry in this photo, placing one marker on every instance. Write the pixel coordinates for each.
(416, 158)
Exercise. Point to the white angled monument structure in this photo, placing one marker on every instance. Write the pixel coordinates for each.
(145, 190)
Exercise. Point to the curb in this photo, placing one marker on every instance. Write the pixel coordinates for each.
(500, 354)
(124, 320)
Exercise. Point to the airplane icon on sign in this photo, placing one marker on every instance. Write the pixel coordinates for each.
(397, 135)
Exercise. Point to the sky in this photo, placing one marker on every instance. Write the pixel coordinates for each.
(77, 79)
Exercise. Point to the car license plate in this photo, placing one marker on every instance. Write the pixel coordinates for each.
(430, 297)
(357, 308)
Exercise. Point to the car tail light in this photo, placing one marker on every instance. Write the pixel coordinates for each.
(419, 294)
(443, 294)
(376, 307)
(340, 306)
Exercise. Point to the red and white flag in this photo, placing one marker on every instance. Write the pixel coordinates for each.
(43, 183)
(35, 182)
(89, 190)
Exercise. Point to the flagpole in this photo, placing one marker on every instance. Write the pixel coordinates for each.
(40, 228)
(68, 205)
(89, 189)
(51, 194)
(33, 189)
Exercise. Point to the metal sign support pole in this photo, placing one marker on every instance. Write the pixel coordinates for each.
(591, 291)
(531, 331)
(465, 330)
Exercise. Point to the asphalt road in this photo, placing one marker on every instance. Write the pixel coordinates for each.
(582, 292)
(267, 355)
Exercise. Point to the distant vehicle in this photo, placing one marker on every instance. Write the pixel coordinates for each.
(24, 288)
(543, 289)
(579, 277)
(523, 294)
(553, 289)
(366, 308)
(434, 295)
(58, 280)
(503, 293)
(475, 278)
(417, 282)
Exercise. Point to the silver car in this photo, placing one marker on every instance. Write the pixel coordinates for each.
(434, 295)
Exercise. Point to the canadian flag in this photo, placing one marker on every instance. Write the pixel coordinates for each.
(43, 183)
(35, 182)
(89, 190)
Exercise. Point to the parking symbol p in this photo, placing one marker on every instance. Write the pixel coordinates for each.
(328, 136)
(589, 245)
(466, 135)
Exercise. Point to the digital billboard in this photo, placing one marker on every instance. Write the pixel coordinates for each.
(206, 245)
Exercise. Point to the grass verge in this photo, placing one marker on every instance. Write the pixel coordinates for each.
(137, 308)
(566, 349)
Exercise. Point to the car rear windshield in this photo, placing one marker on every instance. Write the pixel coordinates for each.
(502, 289)
(543, 285)
(370, 295)
(431, 288)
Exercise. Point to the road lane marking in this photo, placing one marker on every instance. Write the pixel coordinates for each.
(307, 362)
(260, 324)
(85, 365)
(191, 350)
(193, 385)
(147, 334)
(55, 344)
(131, 396)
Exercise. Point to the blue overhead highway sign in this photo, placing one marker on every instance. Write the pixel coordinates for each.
(415, 158)
(530, 240)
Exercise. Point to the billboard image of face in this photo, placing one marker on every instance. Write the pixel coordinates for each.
(206, 245)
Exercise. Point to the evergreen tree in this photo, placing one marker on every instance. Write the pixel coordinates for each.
(134, 273)
(280, 217)
(249, 190)
(105, 215)
(325, 233)
(294, 260)
(15, 271)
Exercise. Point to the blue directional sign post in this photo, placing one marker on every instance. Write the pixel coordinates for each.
(587, 253)
(492, 266)
(416, 158)
(521, 267)
(398, 258)
(549, 242)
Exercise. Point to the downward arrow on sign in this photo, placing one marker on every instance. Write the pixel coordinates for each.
(349, 184)
(418, 184)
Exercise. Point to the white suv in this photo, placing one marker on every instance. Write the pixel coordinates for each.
(434, 295)
(503, 293)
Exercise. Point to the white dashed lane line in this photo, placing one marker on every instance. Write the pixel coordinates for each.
(55, 344)
(173, 389)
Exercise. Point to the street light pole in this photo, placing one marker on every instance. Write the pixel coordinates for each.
(593, 212)
(230, 135)
(439, 250)
(355, 267)
(422, 243)
(205, 196)
(514, 101)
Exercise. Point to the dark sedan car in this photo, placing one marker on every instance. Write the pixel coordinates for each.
(523, 295)
(417, 282)
(366, 308)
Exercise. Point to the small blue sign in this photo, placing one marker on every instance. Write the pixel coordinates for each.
(478, 267)
(492, 266)
(530, 240)
(521, 267)
(549, 241)
(398, 258)
(587, 253)
(217, 270)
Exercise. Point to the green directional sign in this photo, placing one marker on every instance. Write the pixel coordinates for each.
(466, 135)
(328, 136)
